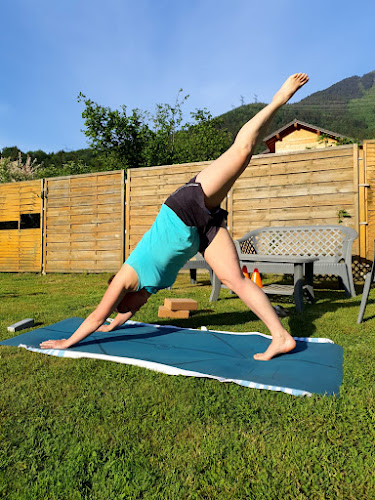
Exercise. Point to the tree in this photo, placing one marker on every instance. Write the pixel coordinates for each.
(114, 133)
(143, 139)
(165, 126)
(201, 140)
(69, 168)
(11, 152)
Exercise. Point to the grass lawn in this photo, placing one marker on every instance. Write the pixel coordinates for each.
(90, 429)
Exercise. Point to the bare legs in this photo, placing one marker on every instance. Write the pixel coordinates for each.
(221, 255)
(218, 177)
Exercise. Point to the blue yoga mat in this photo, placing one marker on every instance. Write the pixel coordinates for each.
(314, 366)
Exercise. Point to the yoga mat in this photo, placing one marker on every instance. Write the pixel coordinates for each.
(313, 367)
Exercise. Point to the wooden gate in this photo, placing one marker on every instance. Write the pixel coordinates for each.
(20, 226)
(84, 223)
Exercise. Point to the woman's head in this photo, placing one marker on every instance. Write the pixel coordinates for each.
(130, 301)
(133, 301)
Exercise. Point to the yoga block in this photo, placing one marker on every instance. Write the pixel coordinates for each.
(164, 312)
(21, 325)
(181, 304)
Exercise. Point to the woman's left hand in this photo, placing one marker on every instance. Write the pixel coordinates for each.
(54, 344)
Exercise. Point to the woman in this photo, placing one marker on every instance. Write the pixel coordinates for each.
(191, 220)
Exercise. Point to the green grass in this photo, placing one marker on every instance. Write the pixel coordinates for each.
(90, 429)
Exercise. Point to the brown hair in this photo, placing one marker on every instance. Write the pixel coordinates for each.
(111, 278)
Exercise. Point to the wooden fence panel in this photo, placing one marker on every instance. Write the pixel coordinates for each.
(85, 218)
(296, 189)
(84, 223)
(308, 187)
(20, 231)
(369, 159)
(146, 190)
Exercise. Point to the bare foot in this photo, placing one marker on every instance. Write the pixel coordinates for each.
(290, 87)
(279, 345)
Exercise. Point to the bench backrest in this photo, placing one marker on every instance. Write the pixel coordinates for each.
(329, 243)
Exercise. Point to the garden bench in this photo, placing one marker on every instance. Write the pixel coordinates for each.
(331, 245)
(197, 262)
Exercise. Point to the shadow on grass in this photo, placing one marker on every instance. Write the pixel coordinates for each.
(299, 324)
(11, 295)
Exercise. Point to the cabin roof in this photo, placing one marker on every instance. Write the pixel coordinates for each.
(291, 127)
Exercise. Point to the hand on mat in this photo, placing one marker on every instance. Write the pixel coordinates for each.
(54, 344)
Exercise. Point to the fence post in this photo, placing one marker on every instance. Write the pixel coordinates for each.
(123, 230)
(43, 202)
(127, 213)
(369, 166)
(362, 200)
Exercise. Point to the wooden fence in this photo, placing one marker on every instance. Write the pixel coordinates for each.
(146, 190)
(293, 189)
(20, 226)
(84, 223)
(309, 187)
(92, 222)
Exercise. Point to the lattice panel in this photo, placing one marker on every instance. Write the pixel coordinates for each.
(303, 242)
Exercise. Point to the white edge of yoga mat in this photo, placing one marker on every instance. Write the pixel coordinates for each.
(318, 340)
(159, 367)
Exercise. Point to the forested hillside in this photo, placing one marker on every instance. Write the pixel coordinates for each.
(348, 108)
(118, 139)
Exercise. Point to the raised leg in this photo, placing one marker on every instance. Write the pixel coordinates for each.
(222, 256)
(218, 177)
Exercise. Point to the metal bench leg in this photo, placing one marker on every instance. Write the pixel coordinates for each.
(216, 286)
(309, 277)
(193, 276)
(298, 286)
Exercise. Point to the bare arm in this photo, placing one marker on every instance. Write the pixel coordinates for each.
(123, 283)
(119, 320)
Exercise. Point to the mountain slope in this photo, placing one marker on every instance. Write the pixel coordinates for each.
(347, 107)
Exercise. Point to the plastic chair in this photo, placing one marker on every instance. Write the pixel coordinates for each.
(366, 290)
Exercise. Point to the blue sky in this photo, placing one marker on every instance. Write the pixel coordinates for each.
(140, 53)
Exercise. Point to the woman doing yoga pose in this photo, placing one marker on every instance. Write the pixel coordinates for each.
(190, 220)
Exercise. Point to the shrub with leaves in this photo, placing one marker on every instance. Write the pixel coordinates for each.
(18, 170)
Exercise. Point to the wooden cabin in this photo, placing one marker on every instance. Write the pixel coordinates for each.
(298, 136)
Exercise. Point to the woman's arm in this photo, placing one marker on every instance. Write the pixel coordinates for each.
(119, 320)
(123, 283)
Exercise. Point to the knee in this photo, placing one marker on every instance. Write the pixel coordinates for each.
(234, 283)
